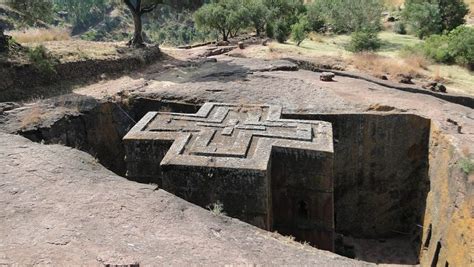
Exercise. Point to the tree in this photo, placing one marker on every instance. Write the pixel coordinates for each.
(315, 16)
(423, 17)
(138, 9)
(258, 14)
(452, 13)
(283, 14)
(299, 30)
(427, 17)
(345, 16)
(226, 16)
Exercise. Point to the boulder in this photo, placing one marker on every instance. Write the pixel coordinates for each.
(327, 76)
(435, 87)
(241, 45)
(404, 78)
(223, 43)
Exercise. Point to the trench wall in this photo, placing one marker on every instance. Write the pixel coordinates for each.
(448, 227)
(380, 173)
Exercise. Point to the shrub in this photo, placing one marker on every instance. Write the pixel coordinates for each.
(467, 165)
(436, 48)
(399, 27)
(455, 47)
(423, 17)
(42, 60)
(282, 31)
(364, 41)
(461, 46)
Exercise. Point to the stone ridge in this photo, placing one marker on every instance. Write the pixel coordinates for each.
(232, 135)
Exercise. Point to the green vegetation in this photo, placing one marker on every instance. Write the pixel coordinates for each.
(227, 17)
(299, 30)
(346, 16)
(423, 17)
(34, 10)
(258, 14)
(455, 47)
(281, 31)
(427, 17)
(176, 28)
(42, 60)
(467, 165)
(364, 41)
(83, 14)
(400, 28)
(217, 209)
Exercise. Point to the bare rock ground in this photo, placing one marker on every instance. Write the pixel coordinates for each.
(60, 207)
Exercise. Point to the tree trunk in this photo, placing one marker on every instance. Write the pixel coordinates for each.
(224, 36)
(137, 40)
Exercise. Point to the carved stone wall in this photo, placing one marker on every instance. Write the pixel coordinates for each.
(276, 174)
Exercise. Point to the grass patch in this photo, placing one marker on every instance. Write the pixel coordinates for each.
(379, 65)
(31, 118)
(467, 165)
(39, 35)
(217, 208)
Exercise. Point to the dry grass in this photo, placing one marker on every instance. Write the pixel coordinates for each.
(37, 35)
(395, 3)
(378, 65)
(32, 117)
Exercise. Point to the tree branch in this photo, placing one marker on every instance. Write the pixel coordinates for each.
(148, 9)
(130, 6)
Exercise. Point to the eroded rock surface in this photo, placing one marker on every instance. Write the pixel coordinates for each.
(59, 206)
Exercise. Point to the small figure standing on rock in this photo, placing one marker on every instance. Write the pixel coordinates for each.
(327, 76)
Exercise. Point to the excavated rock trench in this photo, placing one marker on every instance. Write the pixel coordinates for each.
(381, 170)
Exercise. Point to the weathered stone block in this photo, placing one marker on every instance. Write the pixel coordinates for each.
(276, 174)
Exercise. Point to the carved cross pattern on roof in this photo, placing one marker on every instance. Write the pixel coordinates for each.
(229, 135)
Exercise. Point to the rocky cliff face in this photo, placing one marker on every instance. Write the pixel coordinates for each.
(448, 227)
